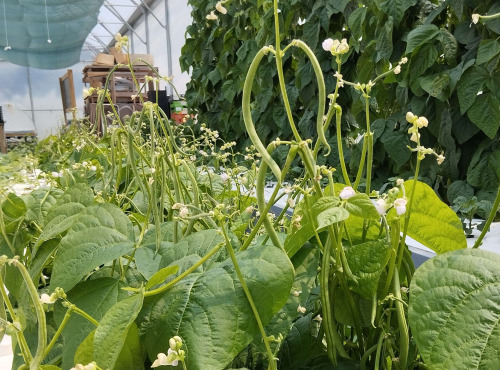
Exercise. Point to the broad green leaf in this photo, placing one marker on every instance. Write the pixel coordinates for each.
(343, 311)
(85, 352)
(111, 333)
(422, 59)
(485, 113)
(305, 263)
(49, 367)
(437, 85)
(420, 35)
(131, 357)
(488, 49)
(62, 219)
(297, 346)
(13, 207)
(450, 46)
(384, 41)
(95, 297)
(360, 205)
(331, 216)
(367, 262)
(100, 234)
(161, 275)
(396, 144)
(210, 311)
(432, 222)
(356, 20)
(454, 310)
(79, 193)
(33, 209)
(482, 171)
(395, 8)
(469, 85)
(459, 188)
(185, 253)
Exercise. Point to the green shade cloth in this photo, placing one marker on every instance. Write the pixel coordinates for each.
(25, 26)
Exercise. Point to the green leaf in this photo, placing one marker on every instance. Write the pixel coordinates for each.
(481, 173)
(459, 188)
(79, 193)
(356, 21)
(422, 59)
(95, 297)
(331, 216)
(13, 207)
(161, 275)
(360, 205)
(469, 85)
(485, 113)
(453, 293)
(100, 234)
(305, 263)
(297, 346)
(111, 333)
(210, 311)
(85, 352)
(146, 258)
(432, 222)
(437, 85)
(395, 8)
(488, 49)
(450, 46)
(384, 42)
(420, 35)
(297, 238)
(367, 262)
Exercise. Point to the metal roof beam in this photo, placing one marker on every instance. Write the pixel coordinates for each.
(116, 14)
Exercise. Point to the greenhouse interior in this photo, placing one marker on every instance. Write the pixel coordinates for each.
(249, 184)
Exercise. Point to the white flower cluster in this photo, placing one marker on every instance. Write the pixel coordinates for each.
(121, 41)
(220, 8)
(418, 123)
(336, 47)
(174, 354)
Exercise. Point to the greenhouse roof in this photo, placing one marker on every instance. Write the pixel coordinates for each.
(51, 34)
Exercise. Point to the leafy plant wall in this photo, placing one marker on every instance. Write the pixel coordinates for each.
(451, 59)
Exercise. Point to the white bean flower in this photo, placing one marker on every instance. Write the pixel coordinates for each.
(400, 205)
(347, 193)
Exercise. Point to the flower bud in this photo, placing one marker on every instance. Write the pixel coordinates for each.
(410, 117)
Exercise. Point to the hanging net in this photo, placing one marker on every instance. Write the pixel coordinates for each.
(46, 34)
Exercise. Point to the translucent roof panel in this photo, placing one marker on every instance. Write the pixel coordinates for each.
(46, 34)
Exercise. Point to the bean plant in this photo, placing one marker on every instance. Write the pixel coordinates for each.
(152, 246)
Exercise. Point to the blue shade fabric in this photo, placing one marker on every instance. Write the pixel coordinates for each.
(45, 34)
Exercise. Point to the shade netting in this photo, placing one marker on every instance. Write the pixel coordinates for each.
(46, 34)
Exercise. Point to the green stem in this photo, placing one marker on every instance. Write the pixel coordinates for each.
(86, 316)
(272, 360)
(328, 319)
(59, 330)
(404, 340)
(338, 118)
(492, 215)
(369, 145)
(40, 314)
(23, 345)
(183, 275)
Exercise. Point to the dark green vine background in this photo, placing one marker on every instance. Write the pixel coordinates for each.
(452, 78)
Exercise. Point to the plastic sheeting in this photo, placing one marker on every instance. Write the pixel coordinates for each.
(46, 34)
